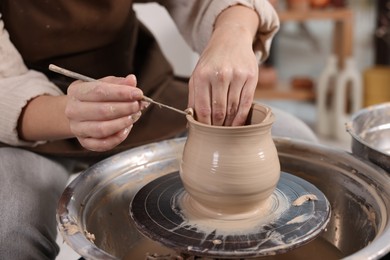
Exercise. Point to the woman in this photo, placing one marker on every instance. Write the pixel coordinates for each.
(49, 122)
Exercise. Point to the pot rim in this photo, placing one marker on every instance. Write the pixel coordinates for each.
(268, 120)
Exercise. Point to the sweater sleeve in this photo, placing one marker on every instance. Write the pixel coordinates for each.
(18, 85)
(195, 21)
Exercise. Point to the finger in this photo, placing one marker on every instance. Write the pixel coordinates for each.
(102, 129)
(100, 111)
(233, 99)
(103, 91)
(246, 100)
(191, 95)
(105, 144)
(202, 105)
(220, 83)
(129, 80)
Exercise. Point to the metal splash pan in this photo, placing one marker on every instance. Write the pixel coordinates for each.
(93, 211)
(370, 131)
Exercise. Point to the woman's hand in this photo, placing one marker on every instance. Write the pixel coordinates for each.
(222, 86)
(102, 113)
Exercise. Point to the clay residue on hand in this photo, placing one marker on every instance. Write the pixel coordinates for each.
(302, 199)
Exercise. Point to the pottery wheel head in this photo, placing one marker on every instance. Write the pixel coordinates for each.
(299, 212)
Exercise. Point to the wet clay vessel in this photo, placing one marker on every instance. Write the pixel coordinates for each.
(230, 172)
(229, 198)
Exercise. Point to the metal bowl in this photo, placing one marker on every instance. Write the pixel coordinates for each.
(96, 203)
(370, 131)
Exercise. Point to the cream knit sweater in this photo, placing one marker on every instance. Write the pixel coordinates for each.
(18, 85)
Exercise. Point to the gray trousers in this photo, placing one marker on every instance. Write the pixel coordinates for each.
(30, 186)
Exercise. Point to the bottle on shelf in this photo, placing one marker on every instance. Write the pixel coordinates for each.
(324, 92)
(348, 97)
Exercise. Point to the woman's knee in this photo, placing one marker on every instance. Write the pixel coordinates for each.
(287, 125)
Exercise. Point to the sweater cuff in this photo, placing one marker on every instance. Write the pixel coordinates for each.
(268, 26)
(16, 92)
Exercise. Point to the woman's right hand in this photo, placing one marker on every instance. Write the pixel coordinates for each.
(102, 113)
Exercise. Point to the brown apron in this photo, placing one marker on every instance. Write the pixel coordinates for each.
(97, 38)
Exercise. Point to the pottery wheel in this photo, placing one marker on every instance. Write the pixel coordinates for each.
(156, 212)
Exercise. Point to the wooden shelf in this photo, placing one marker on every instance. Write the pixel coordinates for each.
(314, 14)
(343, 27)
(283, 90)
(342, 43)
(299, 95)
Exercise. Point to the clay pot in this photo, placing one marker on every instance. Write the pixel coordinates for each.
(230, 172)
